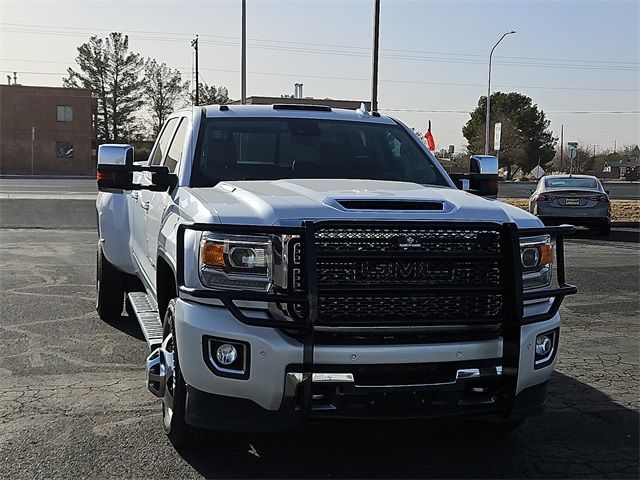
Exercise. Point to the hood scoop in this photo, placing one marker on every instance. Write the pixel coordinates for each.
(404, 205)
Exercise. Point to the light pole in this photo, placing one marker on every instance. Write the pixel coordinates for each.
(243, 60)
(374, 61)
(486, 128)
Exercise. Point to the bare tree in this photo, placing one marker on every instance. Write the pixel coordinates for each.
(211, 95)
(164, 90)
(112, 73)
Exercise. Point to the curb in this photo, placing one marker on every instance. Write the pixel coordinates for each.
(623, 224)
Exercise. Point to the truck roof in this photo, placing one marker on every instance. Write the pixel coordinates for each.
(284, 110)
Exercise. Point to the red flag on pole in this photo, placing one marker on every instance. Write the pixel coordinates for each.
(429, 137)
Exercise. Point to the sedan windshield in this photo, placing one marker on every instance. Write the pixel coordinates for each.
(271, 149)
(571, 182)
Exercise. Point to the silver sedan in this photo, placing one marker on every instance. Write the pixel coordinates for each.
(574, 199)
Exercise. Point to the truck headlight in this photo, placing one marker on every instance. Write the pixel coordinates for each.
(236, 261)
(536, 255)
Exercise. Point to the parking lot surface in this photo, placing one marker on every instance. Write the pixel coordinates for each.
(73, 401)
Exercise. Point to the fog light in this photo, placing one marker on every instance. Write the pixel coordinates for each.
(546, 348)
(227, 357)
(226, 354)
(543, 345)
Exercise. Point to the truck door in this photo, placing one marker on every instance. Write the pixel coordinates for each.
(141, 203)
(161, 200)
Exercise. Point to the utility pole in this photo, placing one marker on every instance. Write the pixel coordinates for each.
(486, 127)
(374, 63)
(243, 80)
(194, 44)
(562, 148)
(615, 144)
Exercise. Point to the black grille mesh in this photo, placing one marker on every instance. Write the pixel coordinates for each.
(402, 309)
(433, 240)
(376, 287)
(343, 273)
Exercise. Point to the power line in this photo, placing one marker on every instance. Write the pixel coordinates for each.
(576, 65)
(360, 79)
(340, 46)
(461, 111)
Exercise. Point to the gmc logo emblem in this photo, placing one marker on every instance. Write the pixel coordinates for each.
(394, 270)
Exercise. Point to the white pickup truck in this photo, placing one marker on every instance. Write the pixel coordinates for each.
(293, 263)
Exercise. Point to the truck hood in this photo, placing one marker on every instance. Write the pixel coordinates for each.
(289, 202)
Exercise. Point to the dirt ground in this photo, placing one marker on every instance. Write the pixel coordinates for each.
(621, 210)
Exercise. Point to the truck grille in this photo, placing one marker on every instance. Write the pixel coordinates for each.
(408, 275)
(401, 309)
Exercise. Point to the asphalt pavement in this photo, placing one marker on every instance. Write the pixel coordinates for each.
(73, 402)
(80, 189)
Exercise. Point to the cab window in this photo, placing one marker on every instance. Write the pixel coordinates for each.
(177, 145)
(162, 143)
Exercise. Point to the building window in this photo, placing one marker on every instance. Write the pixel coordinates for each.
(65, 113)
(64, 150)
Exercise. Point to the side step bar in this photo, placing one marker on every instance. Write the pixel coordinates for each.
(147, 315)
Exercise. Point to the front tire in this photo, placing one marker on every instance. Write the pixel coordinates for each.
(110, 286)
(180, 434)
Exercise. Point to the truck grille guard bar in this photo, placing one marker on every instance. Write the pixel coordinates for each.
(512, 317)
(512, 284)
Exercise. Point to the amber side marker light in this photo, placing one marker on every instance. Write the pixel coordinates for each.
(212, 254)
(106, 176)
(546, 254)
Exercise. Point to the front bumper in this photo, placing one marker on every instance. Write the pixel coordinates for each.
(218, 412)
(270, 398)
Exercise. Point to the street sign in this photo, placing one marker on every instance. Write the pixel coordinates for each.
(497, 133)
(573, 150)
(537, 172)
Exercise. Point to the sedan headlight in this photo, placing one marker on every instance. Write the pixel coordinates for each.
(236, 261)
(536, 255)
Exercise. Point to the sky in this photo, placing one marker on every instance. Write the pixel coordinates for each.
(578, 60)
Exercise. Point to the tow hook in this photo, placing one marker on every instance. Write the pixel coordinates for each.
(158, 371)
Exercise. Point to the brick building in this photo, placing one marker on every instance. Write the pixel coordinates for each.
(56, 124)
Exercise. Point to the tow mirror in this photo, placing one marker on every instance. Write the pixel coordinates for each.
(482, 178)
(116, 167)
(115, 154)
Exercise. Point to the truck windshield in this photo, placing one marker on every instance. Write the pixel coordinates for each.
(271, 149)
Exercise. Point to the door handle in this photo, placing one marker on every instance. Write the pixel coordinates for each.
(135, 194)
(145, 205)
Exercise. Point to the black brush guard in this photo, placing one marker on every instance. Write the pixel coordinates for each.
(304, 327)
